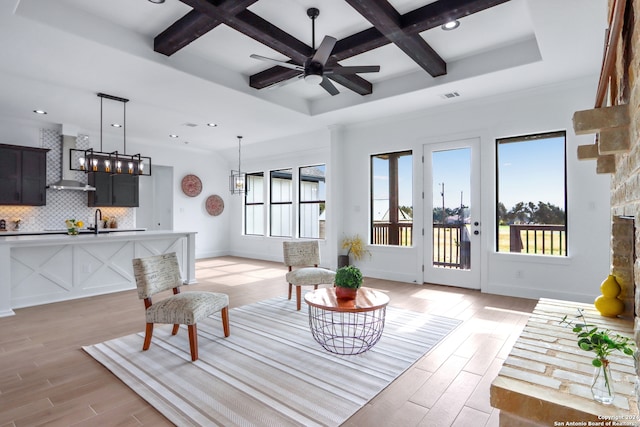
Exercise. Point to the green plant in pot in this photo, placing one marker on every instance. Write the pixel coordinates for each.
(348, 280)
(602, 342)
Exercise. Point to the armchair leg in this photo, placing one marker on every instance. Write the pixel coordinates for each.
(147, 336)
(193, 342)
(298, 297)
(175, 329)
(289, 291)
(225, 320)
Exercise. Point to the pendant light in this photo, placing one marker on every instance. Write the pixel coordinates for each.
(114, 162)
(237, 180)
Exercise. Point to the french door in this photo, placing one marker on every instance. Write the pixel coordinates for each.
(452, 213)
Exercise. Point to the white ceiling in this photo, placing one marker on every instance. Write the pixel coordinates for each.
(57, 54)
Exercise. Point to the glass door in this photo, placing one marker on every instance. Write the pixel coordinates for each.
(452, 213)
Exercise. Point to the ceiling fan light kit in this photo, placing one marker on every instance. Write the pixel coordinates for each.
(314, 69)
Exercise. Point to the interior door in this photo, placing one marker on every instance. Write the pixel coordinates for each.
(452, 213)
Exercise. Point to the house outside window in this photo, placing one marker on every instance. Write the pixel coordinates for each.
(281, 206)
(392, 199)
(254, 205)
(531, 214)
(312, 204)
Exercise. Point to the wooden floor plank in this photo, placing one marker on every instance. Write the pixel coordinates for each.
(46, 379)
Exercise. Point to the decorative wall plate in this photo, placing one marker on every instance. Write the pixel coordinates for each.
(191, 185)
(214, 205)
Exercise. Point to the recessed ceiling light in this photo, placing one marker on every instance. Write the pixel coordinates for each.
(116, 125)
(173, 136)
(156, 1)
(212, 125)
(39, 111)
(451, 25)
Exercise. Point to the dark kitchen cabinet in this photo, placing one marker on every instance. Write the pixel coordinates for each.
(23, 175)
(113, 190)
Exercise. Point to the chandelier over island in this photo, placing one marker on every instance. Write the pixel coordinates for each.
(113, 162)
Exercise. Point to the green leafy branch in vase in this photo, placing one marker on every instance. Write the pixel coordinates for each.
(602, 342)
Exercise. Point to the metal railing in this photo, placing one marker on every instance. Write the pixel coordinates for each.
(541, 239)
(451, 246)
(385, 233)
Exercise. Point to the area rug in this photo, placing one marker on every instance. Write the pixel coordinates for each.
(270, 371)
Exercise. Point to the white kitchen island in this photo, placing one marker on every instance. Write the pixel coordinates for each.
(40, 269)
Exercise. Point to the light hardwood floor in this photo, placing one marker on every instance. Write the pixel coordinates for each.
(46, 378)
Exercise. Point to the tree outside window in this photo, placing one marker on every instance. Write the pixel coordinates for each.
(312, 188)
(531, 214)
(392, 199)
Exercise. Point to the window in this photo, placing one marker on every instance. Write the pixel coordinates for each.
(531, 195)
(312, 187)
(281, 203)
(254, 205)
(392, 199)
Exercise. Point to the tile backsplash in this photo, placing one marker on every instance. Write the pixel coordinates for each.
(61, 204)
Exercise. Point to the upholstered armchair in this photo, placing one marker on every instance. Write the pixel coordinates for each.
(302, 258)
(162, 273)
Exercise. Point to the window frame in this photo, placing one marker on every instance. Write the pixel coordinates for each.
(246, 203)
(272, 203)
(306, 202)
(394, 199)
(527, 138)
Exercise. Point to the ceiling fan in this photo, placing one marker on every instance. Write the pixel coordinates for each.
(313, 71)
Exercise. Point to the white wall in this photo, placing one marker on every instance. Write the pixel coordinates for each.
(576, 277)
(292, 152)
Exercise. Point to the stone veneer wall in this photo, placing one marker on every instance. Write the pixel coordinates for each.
(61, 204)
(625, 186)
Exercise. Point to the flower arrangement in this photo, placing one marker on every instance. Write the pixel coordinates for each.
(16, 223)
(602, 342)
(355, 246)
(73, 226)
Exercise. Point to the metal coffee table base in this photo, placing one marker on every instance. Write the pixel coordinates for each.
(346, 333)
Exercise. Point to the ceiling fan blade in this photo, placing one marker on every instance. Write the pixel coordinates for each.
(324, 50)
(353, 70)
(285, 82)
(329, 87)
(276, 62)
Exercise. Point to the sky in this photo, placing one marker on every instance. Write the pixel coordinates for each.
(527, 171)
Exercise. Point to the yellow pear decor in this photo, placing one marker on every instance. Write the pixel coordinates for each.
(608, 303)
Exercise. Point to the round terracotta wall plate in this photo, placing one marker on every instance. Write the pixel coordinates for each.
(191, 185)
(215, 205)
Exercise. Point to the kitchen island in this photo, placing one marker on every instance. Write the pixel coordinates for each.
(40, 269)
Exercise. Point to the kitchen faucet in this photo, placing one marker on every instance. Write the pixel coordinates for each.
(95, 223)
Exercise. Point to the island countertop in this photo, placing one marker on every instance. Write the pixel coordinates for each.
(45, 268)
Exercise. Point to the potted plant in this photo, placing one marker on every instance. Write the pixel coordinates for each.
(354, 246)
(602, 343)
(348, 280)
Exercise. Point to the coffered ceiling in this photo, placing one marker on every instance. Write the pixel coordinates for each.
(186, 63)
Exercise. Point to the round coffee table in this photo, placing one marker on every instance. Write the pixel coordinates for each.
(346, 326)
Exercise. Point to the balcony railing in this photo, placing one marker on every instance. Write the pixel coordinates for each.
(451, 246)
(385, 233)
(541, 239)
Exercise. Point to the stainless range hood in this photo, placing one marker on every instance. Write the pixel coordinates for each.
(67, 182)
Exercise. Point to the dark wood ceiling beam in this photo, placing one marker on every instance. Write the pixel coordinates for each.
(435, 14)
(252, 25)
(389, 22)
(414, 22)
(195, 24)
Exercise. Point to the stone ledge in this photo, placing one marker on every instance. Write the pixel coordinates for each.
(561, 392)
